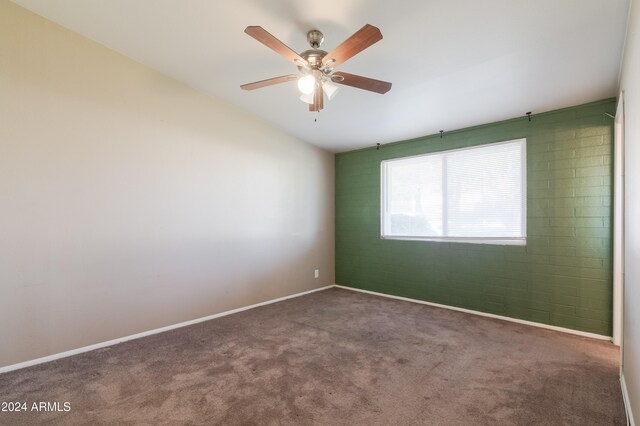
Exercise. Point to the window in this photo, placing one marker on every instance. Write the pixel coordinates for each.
(473, 194)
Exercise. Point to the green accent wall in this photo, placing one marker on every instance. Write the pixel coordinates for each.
(562, 277)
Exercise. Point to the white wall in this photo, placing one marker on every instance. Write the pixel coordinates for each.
(129, 201)
(631, 321)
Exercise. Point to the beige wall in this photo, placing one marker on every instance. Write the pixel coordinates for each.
(130, 202)
(631, 321)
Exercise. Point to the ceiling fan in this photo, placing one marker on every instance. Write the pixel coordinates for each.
(316, 66)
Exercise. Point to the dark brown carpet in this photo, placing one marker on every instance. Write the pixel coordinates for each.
(334, 357)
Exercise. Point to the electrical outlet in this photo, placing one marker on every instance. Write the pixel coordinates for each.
(316, 273)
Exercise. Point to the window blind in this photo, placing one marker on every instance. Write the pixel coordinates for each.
(476, 193)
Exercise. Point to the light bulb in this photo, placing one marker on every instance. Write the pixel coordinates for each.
(330, 89)
(307, 84)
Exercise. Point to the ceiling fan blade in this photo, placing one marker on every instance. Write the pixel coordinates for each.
(361, 82)
(269, 82)
(318, 100)
(363, 38)
(319, 97)
(274, 44)
(318, 93)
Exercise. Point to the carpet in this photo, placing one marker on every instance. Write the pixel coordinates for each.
(333, 357)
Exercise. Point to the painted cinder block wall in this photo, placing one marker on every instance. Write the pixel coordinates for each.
(562, 276)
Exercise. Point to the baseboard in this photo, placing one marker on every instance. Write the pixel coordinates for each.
(484, 314)
(148, 333)
(233, 311)
(627, 402)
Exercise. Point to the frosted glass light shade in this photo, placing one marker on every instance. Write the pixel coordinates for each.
(307, 98)
(330, 89)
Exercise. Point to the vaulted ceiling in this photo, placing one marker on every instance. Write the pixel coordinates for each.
(452, 64)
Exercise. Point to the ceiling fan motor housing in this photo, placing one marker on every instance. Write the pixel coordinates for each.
(314, 57)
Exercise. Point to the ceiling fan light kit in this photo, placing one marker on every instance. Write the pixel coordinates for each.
(316, 67)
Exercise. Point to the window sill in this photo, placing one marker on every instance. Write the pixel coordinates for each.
(494, 241)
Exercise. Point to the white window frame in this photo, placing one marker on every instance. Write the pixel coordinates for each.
(384, 216)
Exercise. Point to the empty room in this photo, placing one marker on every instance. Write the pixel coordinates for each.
(319, 213)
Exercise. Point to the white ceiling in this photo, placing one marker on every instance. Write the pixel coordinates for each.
(453, 64)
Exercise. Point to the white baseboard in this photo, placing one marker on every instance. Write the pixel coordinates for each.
(627, 402)
(233, 311)
(484, 314)
(148, 333)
